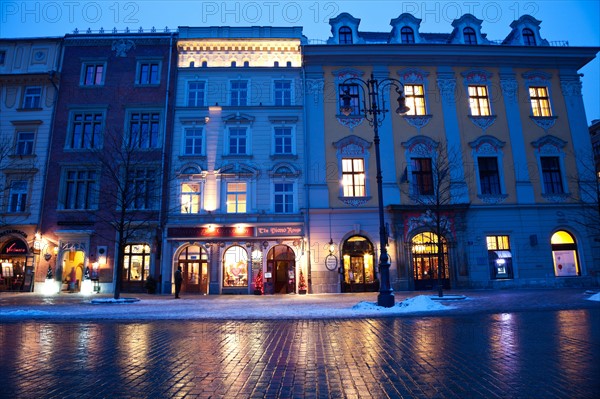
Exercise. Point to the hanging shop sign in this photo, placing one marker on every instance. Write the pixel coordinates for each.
(14, 247)
(331, 262)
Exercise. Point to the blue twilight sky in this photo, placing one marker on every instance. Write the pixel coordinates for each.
(577, 22)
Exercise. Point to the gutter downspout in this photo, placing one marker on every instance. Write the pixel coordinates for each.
(306, 183)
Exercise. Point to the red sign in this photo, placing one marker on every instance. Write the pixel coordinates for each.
(216, 232)
(15, 247)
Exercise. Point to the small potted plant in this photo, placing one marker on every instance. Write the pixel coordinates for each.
(150, 285)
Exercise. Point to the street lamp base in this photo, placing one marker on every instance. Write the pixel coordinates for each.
(385, 299)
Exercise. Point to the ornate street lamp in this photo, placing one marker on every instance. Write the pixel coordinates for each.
(373, 108)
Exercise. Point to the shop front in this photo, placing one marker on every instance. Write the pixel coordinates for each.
(17, 261)
(235, 259)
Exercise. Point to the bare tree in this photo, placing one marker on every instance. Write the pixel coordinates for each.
(129, 191)
(435, 189)
(587, 195)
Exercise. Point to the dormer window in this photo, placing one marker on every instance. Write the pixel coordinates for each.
(407, 35)
(345, 35)
(469, 36)
(528, 37)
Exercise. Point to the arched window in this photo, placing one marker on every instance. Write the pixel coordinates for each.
(193, 260)
(345, 35)
(358, 272)
(564, 254)
(281, 264)
(528, 37)
(407, 35)
(425, 258)
(235, 267)
(469, 36)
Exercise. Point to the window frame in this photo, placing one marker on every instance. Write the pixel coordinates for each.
(552, 178)
(421, 180)
(496, 243)
(18, 198)
(345, 35)
(151, 121)
(528, 37)
(195, 139)
(407, 35)
(139, 74)
(540, 102)
(486, 185)
(355, 98)
(469, 35)
(290, 137)
(283, 101)
(412, 99)
(83, 81)
(149, 192)
(203, 92)
(235, 94)
(74, 122)
(479, 101)
(25, 143)
(32, 101)
(196, 206)
(146, 263)
(90, 190)
(354, 180)
(284, 197)
(246, 138)
(237, 204)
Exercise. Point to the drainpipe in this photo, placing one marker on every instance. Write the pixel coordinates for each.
(306, 184)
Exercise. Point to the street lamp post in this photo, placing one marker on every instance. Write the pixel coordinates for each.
(374, 109)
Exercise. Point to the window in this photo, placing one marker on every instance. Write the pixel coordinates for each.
(17, 197)
(284, 197)
(422, 176)
(93, 74)
(237, 141)
(564, 254)
(499, 256)
(540, 102)
(283, 137)
(190, 198)
(236, 197)
(407, 35)
(489, 178)
(80, 187)
(136, 262)
(283, 93)
(239, 93)
(2, 57)
(235, 267)
(193, 139)
(32, 97)
(196, 94)
(349, 105)
(551, 175)
(142, 189)
(478, 101)
(24, 143)
(144, 129)
(148, 73)
(353, 177)
(469, 36)
(345, 35)
(528, 37)
(415, 99)
(86, 130)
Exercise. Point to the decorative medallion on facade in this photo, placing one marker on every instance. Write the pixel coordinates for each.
(483, 122)
(509, 88)
(545, 122)
(121, 47)
(419, 222)
(315, 87)
(447, 88)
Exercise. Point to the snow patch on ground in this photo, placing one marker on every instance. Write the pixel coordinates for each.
(420, 303)
(595, 297)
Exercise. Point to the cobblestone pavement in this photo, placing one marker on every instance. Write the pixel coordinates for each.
(527, 354)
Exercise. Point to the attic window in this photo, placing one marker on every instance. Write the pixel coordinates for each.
(528, 37)
(345, 35)
(469, 36)
(407, 35)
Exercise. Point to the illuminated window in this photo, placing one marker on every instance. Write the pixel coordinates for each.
(32, 98)
(499, 256)
(422, 176)
(235, 267)
(143, 190)
(415, 99)
(239, 93)
(425, 258)
(193, 140)
(469, 36)
(352, 107)
(92, 74)
(136, 262)
(551, 175)
(196, 92)
(86, 130)
(190, 198)
(283, 92)
(148, 73)
(407, 35)
(358, 271)
(353, 177)
(489, 178)
(479, 101)
(283, 197)
(236, 197)
(528, 37)
(564, 254)
(345, 35)
(540, 102)
(17, 196)
(144, 129)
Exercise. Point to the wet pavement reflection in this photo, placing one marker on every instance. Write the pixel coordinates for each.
(543, 354)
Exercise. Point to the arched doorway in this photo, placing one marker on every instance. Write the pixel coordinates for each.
(424, 248)
(281, 264)
(72, 270)
(564, 254)
(193, 260)
(358, 272)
